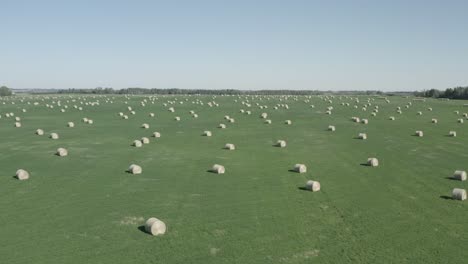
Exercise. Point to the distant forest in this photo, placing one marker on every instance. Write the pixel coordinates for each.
(177, 91)
(451, 93)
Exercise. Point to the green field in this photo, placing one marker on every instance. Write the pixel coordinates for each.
(85, 208)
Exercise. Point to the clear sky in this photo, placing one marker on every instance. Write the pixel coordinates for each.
(237, 44)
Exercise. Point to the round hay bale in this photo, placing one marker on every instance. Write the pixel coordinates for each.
(22, 175)
(222, 126)
(134, 169)
(177, 118)
(90, 122)
(362, 136)
(207, 133)
(459, 175)
(313, 186)
(137, 143)
(71, 124)
(17, 124)
(85, 120)
(281, 143)
(331, 128)
(54, 136)
(61, 152)
(156, 135)
(264, 115)
(372, 162)
(452, 133)
(391, 118)
(268, 121)
(300, 168)
(121, 114)
(229, 146)
(145, 126)
(195, 116)
(151, 114)
(219, 169)
(145, 140)
(231, 120)
(460, 121)
(365, 121)
(419, 133)
(17, 119)
(434, 121)
(288, 122)
(459, 194)
(248, 112)
(125, 117)
(419, 113)
(155, 227)
(39, 132)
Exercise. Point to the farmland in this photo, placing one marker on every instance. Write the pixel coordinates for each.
(85, 207)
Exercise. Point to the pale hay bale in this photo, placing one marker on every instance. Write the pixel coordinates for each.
(373, 114)
(54, 136)
(452, 133)
(17, 119)
(71, 124)
(459, 175)
(22, 175)
(223, 126)
(207, 133)
(460, 121)
(134, 169)
(85, 120)
(457, 112)
(90, 122)
(195, 116)
(125, 117)
(229, 146)
(313, 186)
(17, 124)
(264, 115)
(429, 109)
(155, 227)
(133, 112)
(121, 114)
(459, 194)
(281, 143)
(365, 121)
(177, 118)
(362, 136)
(419, 133)
(391, 118)
(331, 128)
(419, 113)
(137, 143)
(145, 140)
(300, 168)
(39, 132)
(248, 112)
(373, 162)
(145, 126)
(156, 135)
(288, 122)
(268, 121)
(434, 121)
(219, 169)
(61, 152)
(151, 114)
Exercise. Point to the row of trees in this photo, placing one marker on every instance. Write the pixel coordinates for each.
(451, 93)
(176, 91)
(5, 91)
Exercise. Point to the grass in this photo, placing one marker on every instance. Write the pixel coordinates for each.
(84, 208)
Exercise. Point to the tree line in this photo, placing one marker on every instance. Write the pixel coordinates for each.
(450, 93)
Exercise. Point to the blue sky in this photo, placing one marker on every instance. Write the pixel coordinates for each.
(324, 45)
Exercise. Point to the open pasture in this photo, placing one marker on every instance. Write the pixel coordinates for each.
(85, 207)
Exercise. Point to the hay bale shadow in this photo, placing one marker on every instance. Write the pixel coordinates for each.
(451, 178)
(302, 188)
(365, 164)
(295, 171)
(446, 197)
(142, 229)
